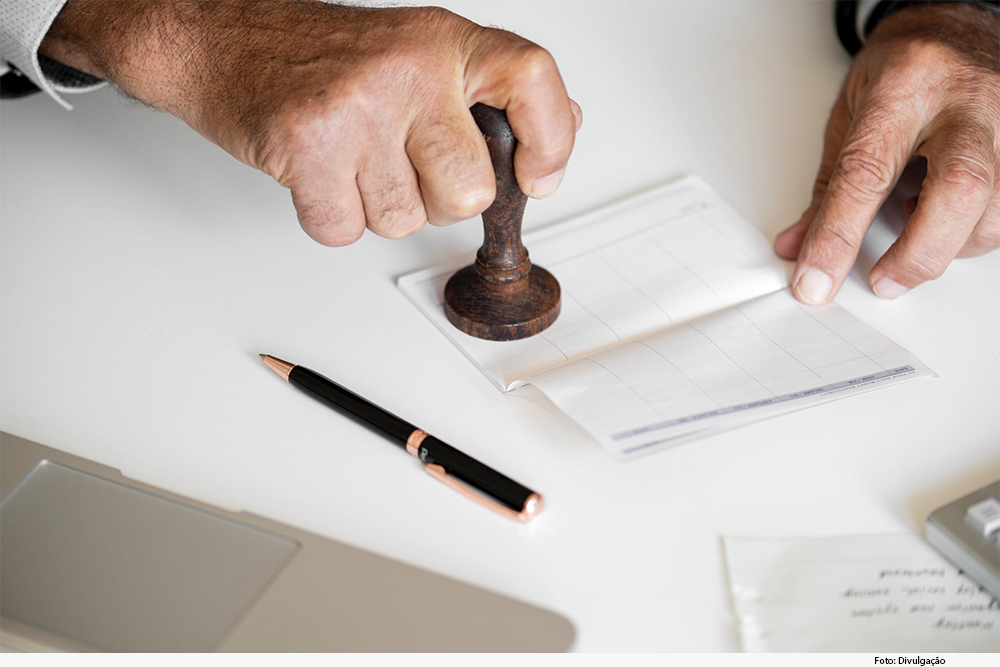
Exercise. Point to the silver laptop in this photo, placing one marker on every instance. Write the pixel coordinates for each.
(92, 561)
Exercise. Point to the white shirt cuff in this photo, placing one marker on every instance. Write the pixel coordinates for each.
(23, 25)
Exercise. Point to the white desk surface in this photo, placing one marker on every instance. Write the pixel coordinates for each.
(143, 269)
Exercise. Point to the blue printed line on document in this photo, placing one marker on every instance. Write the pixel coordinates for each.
(772, 400)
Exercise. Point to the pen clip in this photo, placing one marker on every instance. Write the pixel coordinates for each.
(531, 507)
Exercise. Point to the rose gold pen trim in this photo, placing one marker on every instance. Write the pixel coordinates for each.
(439, 473)
(282, 368)
(533, 506)
(413, 442)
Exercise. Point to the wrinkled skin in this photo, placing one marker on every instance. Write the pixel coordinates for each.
(362, 113)
(926, 84)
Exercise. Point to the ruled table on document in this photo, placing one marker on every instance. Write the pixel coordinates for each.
(676, 322)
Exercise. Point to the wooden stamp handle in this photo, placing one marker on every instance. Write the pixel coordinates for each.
(502, 258)
(501, 296)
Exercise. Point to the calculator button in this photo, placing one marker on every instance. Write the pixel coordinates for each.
(985, 515)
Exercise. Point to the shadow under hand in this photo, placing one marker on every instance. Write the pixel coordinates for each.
(890, 220)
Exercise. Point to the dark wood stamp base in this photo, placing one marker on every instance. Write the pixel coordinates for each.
(502, 312)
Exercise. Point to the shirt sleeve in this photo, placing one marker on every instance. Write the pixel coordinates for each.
(855, 19)
(23, 24)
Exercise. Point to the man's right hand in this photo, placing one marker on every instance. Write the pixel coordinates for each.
(362, 113)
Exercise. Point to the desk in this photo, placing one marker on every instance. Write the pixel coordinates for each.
(143, 270)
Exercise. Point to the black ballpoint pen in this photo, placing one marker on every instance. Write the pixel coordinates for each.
(497, 492)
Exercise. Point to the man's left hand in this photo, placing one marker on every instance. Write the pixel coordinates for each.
(926, 84)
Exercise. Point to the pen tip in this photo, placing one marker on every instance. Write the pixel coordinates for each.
(262, 355)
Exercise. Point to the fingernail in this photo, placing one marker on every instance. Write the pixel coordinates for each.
(546, 185)
(887, 288)
(814, 287)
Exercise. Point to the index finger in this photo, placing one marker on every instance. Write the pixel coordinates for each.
(511, 73)
(875, 152)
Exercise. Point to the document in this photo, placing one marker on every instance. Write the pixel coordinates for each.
(676, 322)
(864, 593)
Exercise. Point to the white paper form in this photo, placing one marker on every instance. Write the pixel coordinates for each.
(631, 268)
(744, 363)
(676, 322)
(863, 593)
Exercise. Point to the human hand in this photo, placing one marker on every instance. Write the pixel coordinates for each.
(926, 84)
(363, 113)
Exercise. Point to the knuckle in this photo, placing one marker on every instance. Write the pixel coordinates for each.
(919, 57)
(981, 88)
(406, 65)
(286, 146)
(837, 239)
(535, 63)
(968, 177)
(355, 95)
(864, 172)
(304, 130)
(292, 142)
(460, 179)
(394, 211)
(927, 53)
(553, 151)
(464, 204)
(437, 15)
(450, 152)
(969, 161)
(308, 115)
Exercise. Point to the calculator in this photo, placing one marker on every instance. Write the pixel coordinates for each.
(967, 533)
